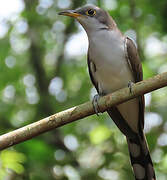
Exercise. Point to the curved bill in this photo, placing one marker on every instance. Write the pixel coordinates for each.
(70, 13)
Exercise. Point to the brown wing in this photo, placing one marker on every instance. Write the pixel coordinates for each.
(134, 60)
(92, 70)
(136, 67)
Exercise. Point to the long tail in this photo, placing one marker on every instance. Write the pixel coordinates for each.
(140, 158)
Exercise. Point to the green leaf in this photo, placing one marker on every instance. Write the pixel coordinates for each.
(12, 160)
(99, 134)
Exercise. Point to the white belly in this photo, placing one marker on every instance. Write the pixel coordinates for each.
(112, 71)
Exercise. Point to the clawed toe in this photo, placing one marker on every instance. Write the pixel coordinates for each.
(130, 85)
(95, 104)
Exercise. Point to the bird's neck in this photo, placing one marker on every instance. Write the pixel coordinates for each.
(104, 35)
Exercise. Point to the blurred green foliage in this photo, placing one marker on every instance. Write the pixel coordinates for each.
(43, 70)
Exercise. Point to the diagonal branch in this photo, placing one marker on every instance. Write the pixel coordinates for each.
(81, 111)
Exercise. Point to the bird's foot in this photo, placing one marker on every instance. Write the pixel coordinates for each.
(130, 85)
(95, 104)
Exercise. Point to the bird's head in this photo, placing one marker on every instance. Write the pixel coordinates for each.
(91, 17)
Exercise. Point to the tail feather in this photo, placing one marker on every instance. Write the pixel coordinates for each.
(138, 149)
(140, 158)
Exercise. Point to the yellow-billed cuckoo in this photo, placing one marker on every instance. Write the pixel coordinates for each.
(113, 62)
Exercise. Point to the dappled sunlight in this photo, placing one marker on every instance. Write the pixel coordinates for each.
(63, 4)
(71, 142)
(6, 11)
(29, 80)
(3, 29)
(152, 120)
(77, 45)
(43, 70)
(9, 93)
(162, 140)
(32, 96)
(71, 172)
(59, 155)
(21, 26)
(19, 44)
(154, 46)
(108, 174)
(91, 157)
(55, 86)
(10, 61)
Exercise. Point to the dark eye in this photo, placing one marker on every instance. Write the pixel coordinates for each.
(91, 12)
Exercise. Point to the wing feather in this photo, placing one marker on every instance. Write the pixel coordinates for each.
(136, 67)
(92, 70)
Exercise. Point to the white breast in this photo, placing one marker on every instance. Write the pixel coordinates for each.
(107, 50)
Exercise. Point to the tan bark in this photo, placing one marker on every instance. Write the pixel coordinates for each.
(81, 111)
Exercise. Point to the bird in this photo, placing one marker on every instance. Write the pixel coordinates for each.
(114, 63)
